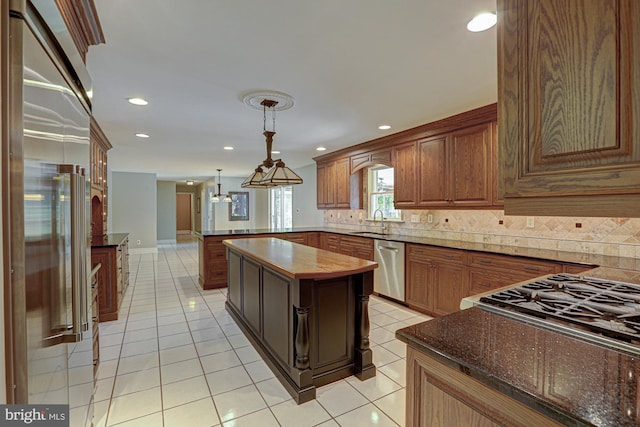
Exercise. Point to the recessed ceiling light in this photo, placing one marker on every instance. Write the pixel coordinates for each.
(384, 127)
(481, 22)
(137, 101)
(320, 149)
(228, 148)
(189, 182)
(275, 152)
(142, 135)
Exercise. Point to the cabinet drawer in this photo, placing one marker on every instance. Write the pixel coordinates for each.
(481, 280)
(426, 252)
(517, 266)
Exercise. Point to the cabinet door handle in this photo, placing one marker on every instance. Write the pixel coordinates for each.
(528, 268)
(484, 261)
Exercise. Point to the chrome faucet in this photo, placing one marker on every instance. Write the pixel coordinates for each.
(382, 224)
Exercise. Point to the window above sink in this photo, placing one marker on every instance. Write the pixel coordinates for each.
(380, 194)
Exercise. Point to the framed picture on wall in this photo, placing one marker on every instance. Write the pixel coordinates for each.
(239, 206)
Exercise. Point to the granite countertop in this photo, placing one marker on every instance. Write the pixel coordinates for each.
(611, 267)
(106, 240)
(572, 381)
(299, 261)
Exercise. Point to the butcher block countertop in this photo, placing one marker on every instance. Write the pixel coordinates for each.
(299, 261)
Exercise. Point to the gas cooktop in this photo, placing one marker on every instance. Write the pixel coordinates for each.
(604, 311)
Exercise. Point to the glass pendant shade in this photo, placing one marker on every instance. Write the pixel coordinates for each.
(253, 181)
(216, 197)
(281, 175)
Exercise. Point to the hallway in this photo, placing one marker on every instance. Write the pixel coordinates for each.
(176, 358)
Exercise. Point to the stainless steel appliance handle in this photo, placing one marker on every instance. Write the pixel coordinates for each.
(389, 248)
(75, 334)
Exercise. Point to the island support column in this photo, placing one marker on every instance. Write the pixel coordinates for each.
(363, 360)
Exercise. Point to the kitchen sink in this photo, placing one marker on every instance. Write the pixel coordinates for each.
(369, 233)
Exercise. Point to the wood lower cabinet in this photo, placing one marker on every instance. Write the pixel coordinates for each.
(569, 107)
(440, 396)
(112, 251)
(359, 247)
(436, 278)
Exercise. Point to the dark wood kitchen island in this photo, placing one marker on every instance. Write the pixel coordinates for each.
(304, 309)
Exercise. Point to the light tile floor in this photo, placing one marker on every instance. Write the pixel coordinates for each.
(176, 358)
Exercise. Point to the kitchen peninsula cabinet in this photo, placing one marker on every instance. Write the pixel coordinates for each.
(569, 107)
(112, 251)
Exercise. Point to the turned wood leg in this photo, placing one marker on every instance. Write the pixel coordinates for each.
(364, 322)
(302, 338)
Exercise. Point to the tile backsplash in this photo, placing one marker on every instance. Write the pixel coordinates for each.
(606, 236)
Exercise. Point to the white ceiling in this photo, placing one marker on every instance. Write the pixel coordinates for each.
(351, 65)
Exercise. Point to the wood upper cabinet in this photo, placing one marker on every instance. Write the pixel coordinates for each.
(405, 175)
(334, 184)
(569, 107)
(451, 170)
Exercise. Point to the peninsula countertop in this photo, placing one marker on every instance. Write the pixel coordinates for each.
(569, 380)
(299, 261)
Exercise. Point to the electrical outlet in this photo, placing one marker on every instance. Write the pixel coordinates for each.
(361, 215)
(138, 242)
(430, 218)
(415, 218)
(530, 222)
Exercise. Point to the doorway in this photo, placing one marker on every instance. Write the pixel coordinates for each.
(184, 220)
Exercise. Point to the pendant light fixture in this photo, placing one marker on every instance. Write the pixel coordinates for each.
(216, 197)
(277, 172)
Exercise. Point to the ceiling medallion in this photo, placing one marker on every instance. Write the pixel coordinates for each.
(255, 100)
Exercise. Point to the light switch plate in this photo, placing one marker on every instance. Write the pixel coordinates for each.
(530, 222)
(429, 218)
(415, 218)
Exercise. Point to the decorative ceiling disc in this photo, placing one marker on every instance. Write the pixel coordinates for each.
(253, 99)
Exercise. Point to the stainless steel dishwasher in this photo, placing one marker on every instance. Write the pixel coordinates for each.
(388, 279)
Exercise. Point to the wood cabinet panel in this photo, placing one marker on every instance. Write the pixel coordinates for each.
(569, 104)
(342, 183)
(334, 181)
(113, 278)
(359, 247)
(450, 286)
(471, 166)
(433, 172)
(437, 279)
(419, 277)
(405, 175)
(450, 170)
(438, 395)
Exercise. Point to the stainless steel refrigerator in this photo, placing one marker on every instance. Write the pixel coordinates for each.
(47, 110)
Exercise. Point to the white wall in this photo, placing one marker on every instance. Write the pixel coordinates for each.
(258, 207)
(166, 211)
(134, 208)
(305, 211)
